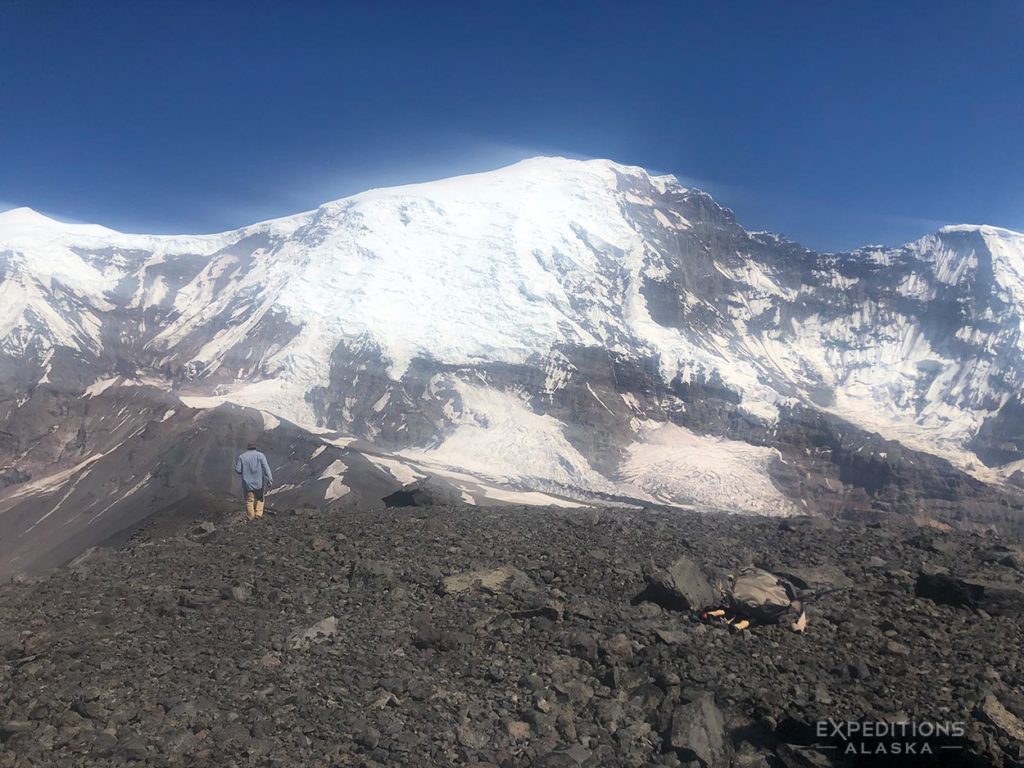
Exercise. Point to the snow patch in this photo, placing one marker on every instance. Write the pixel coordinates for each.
(672, 463)
(336, 473)
(497, 435)
(402, 472)
(336, 489)
(475, 489)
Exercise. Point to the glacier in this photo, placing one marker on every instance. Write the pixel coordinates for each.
(565, 328)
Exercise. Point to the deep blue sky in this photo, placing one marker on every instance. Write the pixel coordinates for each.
(834, 123)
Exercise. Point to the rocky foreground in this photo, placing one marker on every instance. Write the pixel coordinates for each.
(507, 636)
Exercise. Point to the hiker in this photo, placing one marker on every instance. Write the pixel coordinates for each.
(256, 479)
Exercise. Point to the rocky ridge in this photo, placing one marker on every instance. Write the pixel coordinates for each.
(454, 635)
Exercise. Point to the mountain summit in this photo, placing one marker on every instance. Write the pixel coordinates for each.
(570, 329)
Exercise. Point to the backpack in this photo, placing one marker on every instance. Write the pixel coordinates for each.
(762, 596)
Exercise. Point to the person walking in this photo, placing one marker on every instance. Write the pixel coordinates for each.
(256, 479)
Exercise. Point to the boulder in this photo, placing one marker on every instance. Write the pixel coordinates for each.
(680, 587)
(942, 587)
(505, 579)
(698, 732)
(322, 630)
(428, 492)
(992, 711)
(999, 599)
(671, 636)
(996, 598)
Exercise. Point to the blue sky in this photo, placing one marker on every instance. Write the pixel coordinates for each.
(835, 123)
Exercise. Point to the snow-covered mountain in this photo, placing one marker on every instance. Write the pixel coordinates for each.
(559, 326)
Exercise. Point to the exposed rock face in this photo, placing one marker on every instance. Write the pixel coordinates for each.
(581, 328)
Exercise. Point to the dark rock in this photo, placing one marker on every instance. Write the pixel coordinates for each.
(671, 636)
(859, 670)
(365, 735)
(104, 745)
(557, 760)
(90, 709)
(425, 493)
(680, 587)
(132, 748)
(429, 636)
(999, 599)
(13, 727)
(550, 610)
(698, 732)
(646, 698)
(585, 646)
(369, 573)
(947, 589)
(235, 734)
(995, 598)
(617, 647)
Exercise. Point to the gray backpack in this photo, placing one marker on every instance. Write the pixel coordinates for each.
(762, 596)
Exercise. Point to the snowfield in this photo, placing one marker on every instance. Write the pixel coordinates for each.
(672, 464)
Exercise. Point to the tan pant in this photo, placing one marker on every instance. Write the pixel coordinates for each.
(254, 504)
